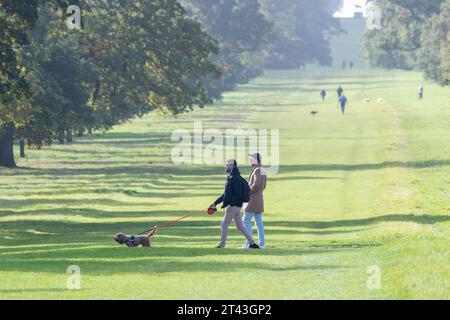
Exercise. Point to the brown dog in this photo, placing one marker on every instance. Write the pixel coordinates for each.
(134, 241)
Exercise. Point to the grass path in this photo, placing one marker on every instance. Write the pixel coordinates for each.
(371, 188)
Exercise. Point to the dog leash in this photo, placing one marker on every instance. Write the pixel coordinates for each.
(169, 223)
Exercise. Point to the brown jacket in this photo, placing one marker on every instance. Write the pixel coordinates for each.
(257, 183)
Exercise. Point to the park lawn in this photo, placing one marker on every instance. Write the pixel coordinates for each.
(370, 188)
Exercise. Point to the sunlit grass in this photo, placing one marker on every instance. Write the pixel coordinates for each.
(368, 188)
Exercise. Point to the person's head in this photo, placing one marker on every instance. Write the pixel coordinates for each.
(230, 165)
(255, 158)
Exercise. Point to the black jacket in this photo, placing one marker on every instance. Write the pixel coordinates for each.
(234, 188)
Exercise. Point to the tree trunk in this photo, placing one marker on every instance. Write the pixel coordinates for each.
(7, 146)
(22, 148)
(69, 137)
(80, 133)
(60, 136)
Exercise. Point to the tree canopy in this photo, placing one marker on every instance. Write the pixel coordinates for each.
(131, 57)
(302, 32)
(414, 35)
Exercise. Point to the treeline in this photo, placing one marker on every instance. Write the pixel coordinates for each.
(131, 57)
(415, 34)
(254, 35)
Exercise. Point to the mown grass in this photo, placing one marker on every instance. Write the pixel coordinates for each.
(368, 188)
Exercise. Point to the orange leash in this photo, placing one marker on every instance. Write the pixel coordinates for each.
(169, 223)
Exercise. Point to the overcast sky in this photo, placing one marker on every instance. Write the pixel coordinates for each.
(349, 8)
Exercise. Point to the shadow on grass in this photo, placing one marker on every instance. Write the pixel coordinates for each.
(102, 231)
(365, 166)
(292, 178)
(133, 170)
(120, 260)
(422, 219)
(98, 215)
(90, 246)
(8, 204)
(201, 171)
(27, 290)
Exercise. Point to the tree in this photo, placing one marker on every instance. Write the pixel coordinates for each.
(434, 53)
(130, 57)
(414, 35)
(16, 18)
(303, 30)
(241, 30)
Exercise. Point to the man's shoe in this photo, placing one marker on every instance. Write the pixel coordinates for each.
(262, 247)
(245, 246)
(254, 246)
(219, 247)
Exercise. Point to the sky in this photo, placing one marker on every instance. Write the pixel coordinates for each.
(349, 8)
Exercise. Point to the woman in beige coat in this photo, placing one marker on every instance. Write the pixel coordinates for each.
(255, 207)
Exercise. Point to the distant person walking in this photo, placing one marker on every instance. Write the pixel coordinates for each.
(339, 91)
(344, 65)
(351, 64)
(232, 199)
(420, 91)
(323, 94)
(255, 207)
(343, 101)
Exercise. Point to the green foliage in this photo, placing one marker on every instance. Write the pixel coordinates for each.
(16, 18)
(133, 57)
(414, 34)
(129, 58)
(241, 30)
(147, 56)
(303, 30)
(434, 54)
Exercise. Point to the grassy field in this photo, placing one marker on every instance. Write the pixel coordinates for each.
(371, 188)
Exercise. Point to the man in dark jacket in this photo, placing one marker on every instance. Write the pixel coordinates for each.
(232, 202)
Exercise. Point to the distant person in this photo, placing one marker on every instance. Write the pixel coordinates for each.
(351, 64)
(421, 91)
(344, 65)
(343, 101)
(339, 91)
(255, 207)
(232, 199)
(323, 94)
